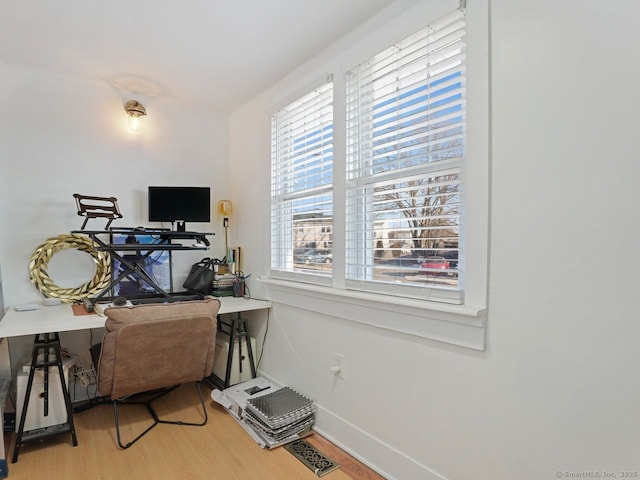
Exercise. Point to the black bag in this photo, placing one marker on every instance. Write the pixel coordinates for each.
(200, 278)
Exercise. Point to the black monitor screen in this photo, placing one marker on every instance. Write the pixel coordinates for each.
(179, 204)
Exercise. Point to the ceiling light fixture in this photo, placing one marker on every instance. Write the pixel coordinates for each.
(136, 111)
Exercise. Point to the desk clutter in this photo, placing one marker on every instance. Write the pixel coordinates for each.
(211, 276)
(130, 261)
(271, 415)
(230, 285)
(47, 302)
(135, 262)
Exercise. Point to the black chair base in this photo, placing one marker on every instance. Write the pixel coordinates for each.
(156, 420)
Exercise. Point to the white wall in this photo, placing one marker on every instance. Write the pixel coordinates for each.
(60, 136)
(556, 389)
(555, 393)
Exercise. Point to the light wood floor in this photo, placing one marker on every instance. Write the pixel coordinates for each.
(220, 450)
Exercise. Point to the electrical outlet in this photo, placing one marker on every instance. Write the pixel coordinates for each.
(338, 366)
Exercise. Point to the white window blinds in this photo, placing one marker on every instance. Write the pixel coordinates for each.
(405, 161)
(302, 187)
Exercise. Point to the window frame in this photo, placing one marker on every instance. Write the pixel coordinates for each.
(282, 266)
(415, 85)
(465, 324)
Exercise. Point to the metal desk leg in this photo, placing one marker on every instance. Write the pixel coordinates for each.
(5, 386)
(239, 329)
(44, 343)
(247, 339)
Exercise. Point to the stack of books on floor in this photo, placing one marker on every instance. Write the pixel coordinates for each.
(280, 415)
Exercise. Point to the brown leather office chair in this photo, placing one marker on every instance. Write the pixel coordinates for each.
(152, 349)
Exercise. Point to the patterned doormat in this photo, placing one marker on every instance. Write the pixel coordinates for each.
(312, 458)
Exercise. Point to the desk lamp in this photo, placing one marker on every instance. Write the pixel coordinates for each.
(224, 208)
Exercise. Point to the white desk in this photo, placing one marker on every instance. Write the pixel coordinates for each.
(61, 318)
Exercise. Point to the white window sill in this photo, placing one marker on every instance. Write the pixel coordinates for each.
(461, 325)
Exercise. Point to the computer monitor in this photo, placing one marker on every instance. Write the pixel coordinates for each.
(179, 205)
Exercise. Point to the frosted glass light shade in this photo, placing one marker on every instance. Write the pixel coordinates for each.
(225, 207)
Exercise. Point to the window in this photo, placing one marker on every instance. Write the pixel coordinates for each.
(398, 239)
(302, 186)
(405, 140)
(405, 136)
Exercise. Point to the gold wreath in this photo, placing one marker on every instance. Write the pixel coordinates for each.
(42, 255)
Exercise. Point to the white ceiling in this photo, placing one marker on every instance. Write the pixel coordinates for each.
(218, 53)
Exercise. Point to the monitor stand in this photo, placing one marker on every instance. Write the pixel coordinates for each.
(181, 226)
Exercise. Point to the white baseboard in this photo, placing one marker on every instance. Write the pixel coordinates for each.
(389, 462)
